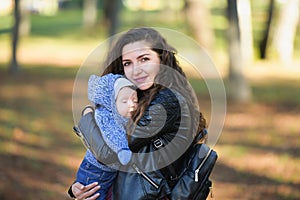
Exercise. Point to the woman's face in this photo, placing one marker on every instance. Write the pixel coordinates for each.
(140, 63)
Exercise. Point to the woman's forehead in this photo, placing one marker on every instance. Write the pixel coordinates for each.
(136, 48)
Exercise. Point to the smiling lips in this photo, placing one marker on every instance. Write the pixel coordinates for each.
(141, 79)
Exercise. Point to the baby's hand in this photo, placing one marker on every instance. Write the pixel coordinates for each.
(124, 156)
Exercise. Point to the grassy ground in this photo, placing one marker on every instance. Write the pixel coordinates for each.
(258, 149)
(259, 154)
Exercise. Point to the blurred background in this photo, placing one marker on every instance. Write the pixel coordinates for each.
(254, 44)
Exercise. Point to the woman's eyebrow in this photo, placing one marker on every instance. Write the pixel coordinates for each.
(145, 54)
(140, 56)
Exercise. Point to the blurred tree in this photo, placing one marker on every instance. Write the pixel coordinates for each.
(89, 13)
(199, 17)
(246, 34)
(239, 89)
(25, 22)
(263, 43)
(14, 66)
(112, 10)
(285, 31)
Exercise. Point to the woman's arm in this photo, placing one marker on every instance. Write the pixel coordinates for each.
(92, 137)
(165, 125)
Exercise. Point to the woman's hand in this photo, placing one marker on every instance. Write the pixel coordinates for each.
(87, 192)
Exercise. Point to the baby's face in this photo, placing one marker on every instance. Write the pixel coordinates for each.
(126, 101)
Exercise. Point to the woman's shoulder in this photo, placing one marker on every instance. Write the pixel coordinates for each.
(167, 96)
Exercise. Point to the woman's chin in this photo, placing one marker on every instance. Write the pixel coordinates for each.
(145, 86)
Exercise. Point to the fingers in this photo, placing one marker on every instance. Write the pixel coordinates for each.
(87, 192)
(89, 186)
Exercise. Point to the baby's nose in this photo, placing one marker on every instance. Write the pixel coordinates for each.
(132, 105)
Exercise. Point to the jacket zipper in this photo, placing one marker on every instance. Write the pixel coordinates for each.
(201, 164)
(145, 176)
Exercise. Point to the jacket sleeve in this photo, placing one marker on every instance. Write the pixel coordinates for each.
(164, 133)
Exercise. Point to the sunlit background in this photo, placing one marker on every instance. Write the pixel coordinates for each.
(255, 45)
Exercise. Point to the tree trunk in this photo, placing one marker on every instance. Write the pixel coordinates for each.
(89, 13)
(14, 66)
(264, 42)
(199, 18)
(25, 22)
(112, 10)
(286, 31)
(239, 90)
(245, 24)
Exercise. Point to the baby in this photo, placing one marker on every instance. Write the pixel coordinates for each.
(115, 99)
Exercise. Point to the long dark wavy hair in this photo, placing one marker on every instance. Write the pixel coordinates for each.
(168, 59)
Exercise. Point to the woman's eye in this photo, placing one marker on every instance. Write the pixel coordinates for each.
(126, 64)
(144, 59)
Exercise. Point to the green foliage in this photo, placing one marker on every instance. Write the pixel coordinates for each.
(6, 23)
(63, 23)
(67, 23)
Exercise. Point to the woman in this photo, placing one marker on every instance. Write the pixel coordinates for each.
(167, 119)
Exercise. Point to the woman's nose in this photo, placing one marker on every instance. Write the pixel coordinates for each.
(137, 68)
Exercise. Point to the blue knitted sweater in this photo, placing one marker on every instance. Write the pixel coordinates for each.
(110, 122)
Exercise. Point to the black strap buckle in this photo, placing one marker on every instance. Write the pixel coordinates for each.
(87, 109)
(158, 143)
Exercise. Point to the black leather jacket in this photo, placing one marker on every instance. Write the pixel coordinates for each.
(159, 141)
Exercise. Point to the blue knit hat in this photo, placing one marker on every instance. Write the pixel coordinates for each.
(101, 91)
